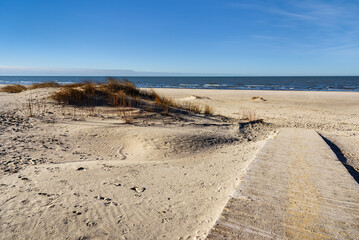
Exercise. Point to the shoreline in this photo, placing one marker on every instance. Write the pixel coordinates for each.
(277, 83)
(264, 90)
(226, 89)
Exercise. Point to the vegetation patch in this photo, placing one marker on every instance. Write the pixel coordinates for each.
(124, 94)
(45, 85)
(13, 88)
(208, 110)
(16, 88)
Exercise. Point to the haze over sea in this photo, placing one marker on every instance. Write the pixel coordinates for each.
(335, 83)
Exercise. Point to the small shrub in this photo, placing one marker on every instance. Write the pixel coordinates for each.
(13, 88)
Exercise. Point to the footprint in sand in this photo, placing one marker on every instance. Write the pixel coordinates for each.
(107, 201)
(44, 194)
(138, 189)
(23, 178)
(91, 224)
(77, 213)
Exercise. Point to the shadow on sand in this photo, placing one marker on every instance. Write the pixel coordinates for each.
(342, 158)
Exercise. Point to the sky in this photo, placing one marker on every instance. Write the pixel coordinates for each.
(214, 37)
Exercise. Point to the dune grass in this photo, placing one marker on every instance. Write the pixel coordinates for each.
(16, 88)
(208, 110)
(122, 93)
(44, 85)
(115, 93)
(192, 107)
(248, 115)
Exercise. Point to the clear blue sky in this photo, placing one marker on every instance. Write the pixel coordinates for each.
(183, 36)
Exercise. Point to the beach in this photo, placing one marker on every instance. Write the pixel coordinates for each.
(67, 173)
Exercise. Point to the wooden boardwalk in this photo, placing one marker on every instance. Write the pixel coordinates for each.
(295, 189)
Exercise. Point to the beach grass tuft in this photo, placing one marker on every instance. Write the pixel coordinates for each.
(16, 88)
(208, 110)
(193, 107)
(248, 115)
(13, 88)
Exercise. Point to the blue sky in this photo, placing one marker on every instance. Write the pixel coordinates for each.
(180, 36)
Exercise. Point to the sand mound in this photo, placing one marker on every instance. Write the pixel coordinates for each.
(194, 97)
(100, 178)
(258, 99)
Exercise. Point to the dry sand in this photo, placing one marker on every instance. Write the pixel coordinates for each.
(67, 175)
(295, 189)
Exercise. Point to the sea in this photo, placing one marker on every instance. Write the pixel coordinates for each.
(325, 83)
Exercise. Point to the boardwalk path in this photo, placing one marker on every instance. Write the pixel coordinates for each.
(295, 189)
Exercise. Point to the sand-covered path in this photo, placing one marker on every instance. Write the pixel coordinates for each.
(295, 189)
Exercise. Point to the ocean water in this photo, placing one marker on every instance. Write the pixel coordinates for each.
(346, 83)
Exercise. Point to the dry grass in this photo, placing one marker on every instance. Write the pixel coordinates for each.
(150, 94)
(126, 99)
(16, 88)
(113, 92)
(124, 94)
(75, 85)
(248, 115)
(71, 96)
(208, 110)
(113, 85)
(193, 107)
(13, 88)
(81, 94)
(35, 106)
(166, 102)
(45, 85)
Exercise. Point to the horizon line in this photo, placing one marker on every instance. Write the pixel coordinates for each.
(8, 71)
(179, 75)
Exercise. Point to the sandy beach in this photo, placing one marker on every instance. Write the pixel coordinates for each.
(67, 173)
